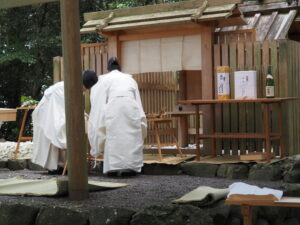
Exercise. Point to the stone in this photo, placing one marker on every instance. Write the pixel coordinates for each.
(291, 221)
(171, 215)
(291, 190)
(292, 176)
(3, 164)
(233, 171)
(33, 166)
(61, 216)
(296, 165)
(262, 222)
(272, 214)
(265, 172)
(234, 221)
(17, 164)
(219, 213)
(200, 169)
(161, 169)
(222, 170)
(235, 211)
(110, 216)
(16, 214)
(294, 212)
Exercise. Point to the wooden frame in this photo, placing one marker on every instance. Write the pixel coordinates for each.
(266, 135)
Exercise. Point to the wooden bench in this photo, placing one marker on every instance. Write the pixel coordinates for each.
(247, 202)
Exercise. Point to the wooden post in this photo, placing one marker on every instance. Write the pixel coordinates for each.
(56, 69)
(77, 165)
(207, 79)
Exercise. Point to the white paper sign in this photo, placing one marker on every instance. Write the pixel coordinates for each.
(245, 85)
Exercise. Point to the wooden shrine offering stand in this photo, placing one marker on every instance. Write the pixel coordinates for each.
(266, 135)
(158, 131)
(248, 201)
(21, 137)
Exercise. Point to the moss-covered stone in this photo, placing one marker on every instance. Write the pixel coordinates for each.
(17, 164)
(234, 221)
(272, 214)
(291, 221)
(271, 172)
(161, 169)
(262, 222)
(110, 216)
(33, 166)
(219, 212)
(17, 214)
(3, 164)
(171, 215)
(61, 216)
(200, 169)
(291, 190)
(233, 171)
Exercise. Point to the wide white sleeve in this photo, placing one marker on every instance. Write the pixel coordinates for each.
(96, 123)
(142, 113)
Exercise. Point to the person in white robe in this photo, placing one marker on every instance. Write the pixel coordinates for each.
(117, 123)
(49, 125)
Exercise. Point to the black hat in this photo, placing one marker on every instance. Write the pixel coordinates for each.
(89, 78)
(113, 64)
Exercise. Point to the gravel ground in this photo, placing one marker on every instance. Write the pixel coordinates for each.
(144, 190)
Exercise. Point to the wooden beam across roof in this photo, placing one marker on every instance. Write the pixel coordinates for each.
(5, 4)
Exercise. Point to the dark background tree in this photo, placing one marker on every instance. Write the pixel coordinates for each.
(29, 39)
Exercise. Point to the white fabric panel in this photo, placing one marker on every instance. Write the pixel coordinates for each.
(171, 53)
(191, 57)
(162, 54)
(150, 55)
(131, 57)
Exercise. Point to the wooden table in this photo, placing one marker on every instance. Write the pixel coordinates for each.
(266, 135)
(247, 204)
(7, 114)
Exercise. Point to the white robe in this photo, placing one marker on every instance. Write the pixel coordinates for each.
(117, 123)
(49, 127)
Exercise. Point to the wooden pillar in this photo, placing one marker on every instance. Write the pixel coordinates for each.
(114, 47)
(77, 165)
(183, 137)
(207, 79)
(56, 69)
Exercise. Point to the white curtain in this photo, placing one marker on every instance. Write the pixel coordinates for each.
(162, 54)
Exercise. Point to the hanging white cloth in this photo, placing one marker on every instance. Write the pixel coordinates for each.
(49, 127)
(117, 123)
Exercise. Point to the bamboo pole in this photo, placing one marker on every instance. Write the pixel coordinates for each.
(77, 166)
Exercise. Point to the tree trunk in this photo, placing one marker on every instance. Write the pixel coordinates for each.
(159, 1)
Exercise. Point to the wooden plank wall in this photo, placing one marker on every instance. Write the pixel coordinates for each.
(284, 57)
(94, 57)
(158, 91)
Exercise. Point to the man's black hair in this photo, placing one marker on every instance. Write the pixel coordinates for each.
(113, 64)
(89, 78)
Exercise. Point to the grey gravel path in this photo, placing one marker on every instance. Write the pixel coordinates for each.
(144, 190)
